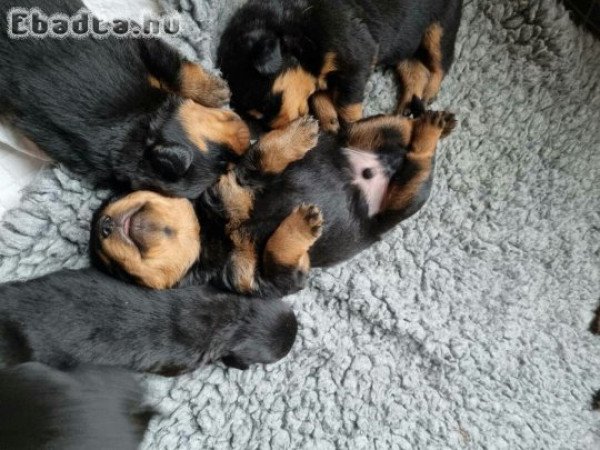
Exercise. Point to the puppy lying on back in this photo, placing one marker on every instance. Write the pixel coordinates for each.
(276, 53)
(295, 199)
(89, 408)
(85, 317)
(126, 113)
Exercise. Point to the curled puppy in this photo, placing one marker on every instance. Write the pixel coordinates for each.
(296, 199)
(275, 54)
(85, 317)
(126, 113)
(88, 408)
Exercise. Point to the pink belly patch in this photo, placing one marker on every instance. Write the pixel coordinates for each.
(369, 176)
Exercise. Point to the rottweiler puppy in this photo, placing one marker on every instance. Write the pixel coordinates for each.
(78, 317)
(276, 53)
(295, 199)
(88, 407)
(127, 113)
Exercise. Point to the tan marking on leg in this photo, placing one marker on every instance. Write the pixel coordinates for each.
(244, 262)
(414, 77)
(296, 86)
(432, 44)
(202, 124)
(288, 246)
(201, 86)
(323, 109)
(280, 148)
(367, 134)
(329, 66)
(237, 200)
(428, 130)
(351, 113)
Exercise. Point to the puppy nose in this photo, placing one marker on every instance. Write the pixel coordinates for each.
(106, 227)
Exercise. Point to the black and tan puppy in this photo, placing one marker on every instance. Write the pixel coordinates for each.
(91, 408)
(276, 53)
(295, 199)
(129, 113)
(85, 317)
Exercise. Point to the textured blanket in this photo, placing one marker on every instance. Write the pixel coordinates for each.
(467, 326)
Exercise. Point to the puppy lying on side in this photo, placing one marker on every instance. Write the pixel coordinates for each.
(87, 408)
(295, 199)
(128, 113)
(85, 317)
(276, 53)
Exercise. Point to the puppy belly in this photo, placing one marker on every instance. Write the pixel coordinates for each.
(369, 176)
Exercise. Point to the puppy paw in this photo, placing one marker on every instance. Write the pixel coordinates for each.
(304, 133)
(442, 120)
(324, 110)
(242, 138)
(310, 220)
(216, 92)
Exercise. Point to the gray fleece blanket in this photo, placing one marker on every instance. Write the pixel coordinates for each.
(466, 327)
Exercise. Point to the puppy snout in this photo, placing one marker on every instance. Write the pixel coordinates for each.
(106, 226)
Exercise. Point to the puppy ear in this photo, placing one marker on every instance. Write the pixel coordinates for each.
(171, 161)
(231, 360)
(265, 49)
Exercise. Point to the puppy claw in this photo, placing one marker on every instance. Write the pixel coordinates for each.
(312, 218)
(444, 120)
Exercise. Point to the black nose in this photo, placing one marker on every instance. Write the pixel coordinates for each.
(106, 226)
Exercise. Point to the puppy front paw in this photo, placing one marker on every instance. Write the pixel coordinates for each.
(217, 93)
(312, 219)
(203, 87)
(304, 134)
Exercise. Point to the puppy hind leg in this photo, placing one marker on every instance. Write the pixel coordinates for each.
(413, 78)
(432, 58)
(408, 190)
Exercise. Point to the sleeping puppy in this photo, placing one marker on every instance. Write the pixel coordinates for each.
(85, 317)
(89, 408)
(276, 53)
(126, 113)
(295, 199)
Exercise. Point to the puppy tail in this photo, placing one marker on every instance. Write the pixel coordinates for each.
(266, 335)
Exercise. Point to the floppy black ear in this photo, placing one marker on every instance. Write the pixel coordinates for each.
(266, 51)
(231, 360)
(171, 162)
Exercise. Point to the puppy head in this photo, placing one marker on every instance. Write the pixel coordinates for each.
(263, 69)
(148, 237)
(185, 149)
(266, 336)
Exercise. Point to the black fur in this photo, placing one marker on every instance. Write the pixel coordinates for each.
(72, 317)
(87, 408)
(266, 37)
(87, 103)
(322, 178)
